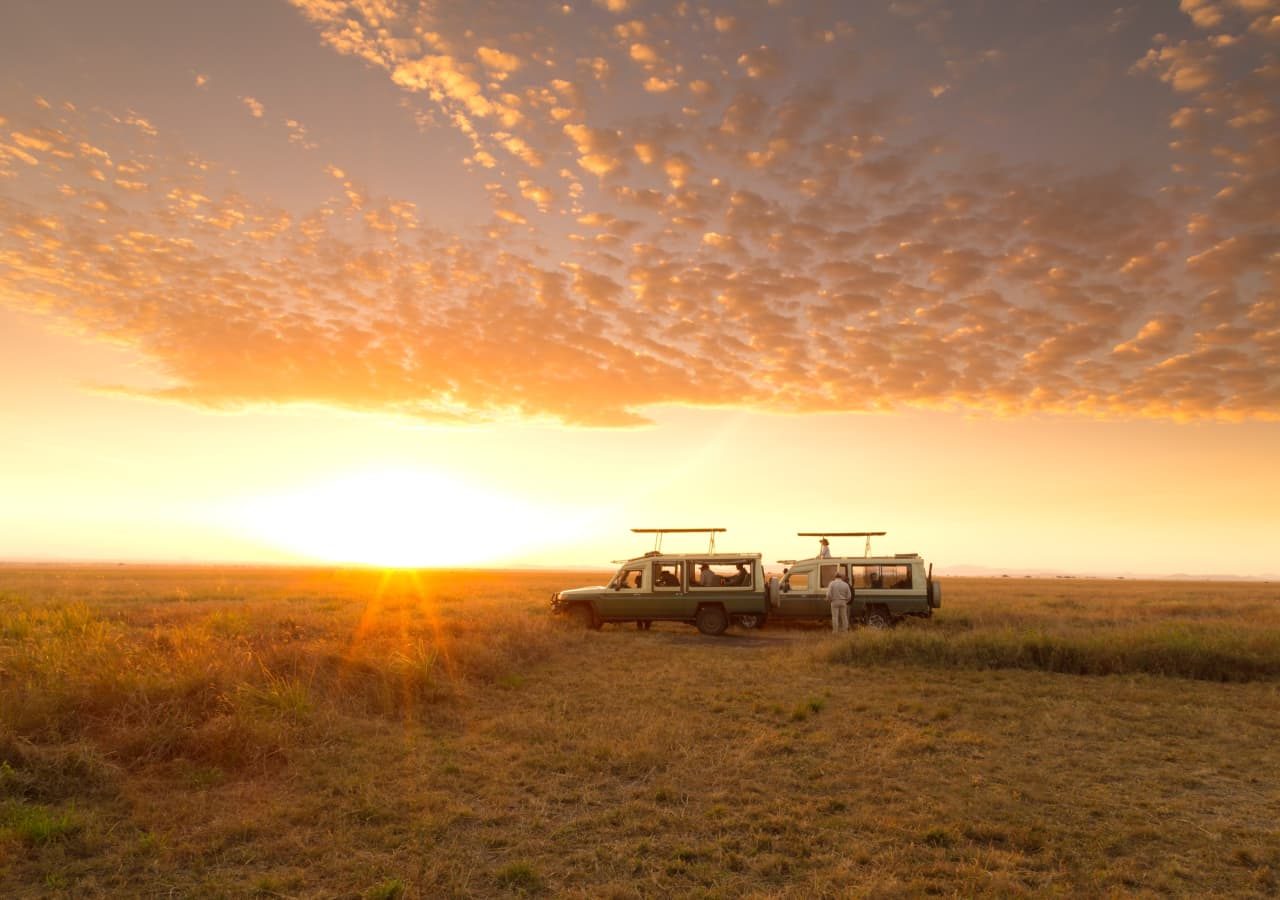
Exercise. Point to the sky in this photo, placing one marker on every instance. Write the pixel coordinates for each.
(427, 283)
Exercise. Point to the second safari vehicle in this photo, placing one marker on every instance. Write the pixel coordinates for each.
(885, 588)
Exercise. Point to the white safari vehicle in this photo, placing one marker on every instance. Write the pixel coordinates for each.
(885, 588)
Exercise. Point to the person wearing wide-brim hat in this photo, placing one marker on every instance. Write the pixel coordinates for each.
(824, 549)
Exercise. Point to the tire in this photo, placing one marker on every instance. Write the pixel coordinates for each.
(878, 618)
(582, 616)
(750, 621)
(711, 620)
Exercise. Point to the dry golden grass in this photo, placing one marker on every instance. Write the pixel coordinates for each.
(242, 732)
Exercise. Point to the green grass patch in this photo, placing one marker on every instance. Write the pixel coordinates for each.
(520, 877)
(391, 889)
(1205, 653)
(36, 824)
(809, 707)
(939, 837)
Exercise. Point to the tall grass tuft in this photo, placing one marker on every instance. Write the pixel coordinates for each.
(233, 684)
(33, 772)
(1202, 652)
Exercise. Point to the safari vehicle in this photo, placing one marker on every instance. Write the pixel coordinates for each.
(885, 588)
(708, 590)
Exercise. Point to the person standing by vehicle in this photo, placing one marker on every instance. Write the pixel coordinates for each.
(838, 595)
(824, 549)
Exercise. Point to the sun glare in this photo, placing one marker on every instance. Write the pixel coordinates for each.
(394, 518)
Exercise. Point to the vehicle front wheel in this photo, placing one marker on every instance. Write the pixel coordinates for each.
(582, 616)
(751, 621)
(879, 618)
(711, 620)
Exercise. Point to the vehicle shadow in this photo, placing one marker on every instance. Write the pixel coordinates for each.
(734, 639)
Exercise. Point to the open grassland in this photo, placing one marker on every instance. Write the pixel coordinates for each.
(242, 732)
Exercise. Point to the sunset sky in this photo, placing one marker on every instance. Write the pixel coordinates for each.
(455, 283)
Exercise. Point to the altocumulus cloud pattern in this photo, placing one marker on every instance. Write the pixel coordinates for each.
(779, 206)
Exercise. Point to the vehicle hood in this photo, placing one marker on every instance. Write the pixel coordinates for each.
(583, 591)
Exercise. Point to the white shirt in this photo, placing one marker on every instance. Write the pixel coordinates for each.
(838, 591)
(825, 552)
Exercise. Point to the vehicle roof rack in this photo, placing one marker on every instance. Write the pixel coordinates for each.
(862, 534)
(659, 532)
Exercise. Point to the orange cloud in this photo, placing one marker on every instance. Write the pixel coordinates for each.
(497, 60)
(789, 240)
(762, 62)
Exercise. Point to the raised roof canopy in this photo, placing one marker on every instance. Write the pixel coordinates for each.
(659, 532)
(830, 534)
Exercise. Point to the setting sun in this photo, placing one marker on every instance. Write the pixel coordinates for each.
(393, 518)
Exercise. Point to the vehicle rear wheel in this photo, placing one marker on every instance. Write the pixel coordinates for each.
(582, 616)
(878, 617)
(711, 620)
(751, 621)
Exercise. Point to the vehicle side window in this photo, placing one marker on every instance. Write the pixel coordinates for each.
(896, 576)
(721, 573)
(861, 575)
(827, 573)
(799, 581)
(669, 576)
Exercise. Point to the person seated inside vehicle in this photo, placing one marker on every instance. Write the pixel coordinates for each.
(667, 578)
(707, 578)
(741, 578)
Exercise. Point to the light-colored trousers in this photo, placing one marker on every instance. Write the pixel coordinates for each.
(839, 616)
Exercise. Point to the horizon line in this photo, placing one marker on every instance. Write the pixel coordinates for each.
(946, 571)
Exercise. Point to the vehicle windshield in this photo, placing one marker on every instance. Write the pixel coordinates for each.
(628, 578)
